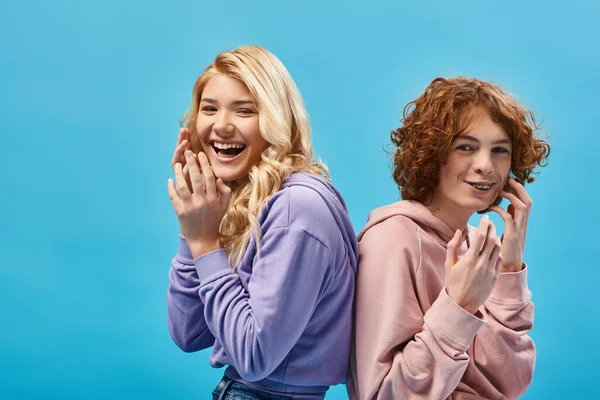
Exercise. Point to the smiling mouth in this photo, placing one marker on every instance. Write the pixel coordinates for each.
(228, 150)
(481, 186)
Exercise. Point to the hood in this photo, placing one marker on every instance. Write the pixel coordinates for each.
(336, 204)
(418, 213)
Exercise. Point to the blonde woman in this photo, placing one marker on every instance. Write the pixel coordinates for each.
(267, 255)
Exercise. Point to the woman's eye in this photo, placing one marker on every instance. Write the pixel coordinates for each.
(500, 150)
(209, 109)
(245, 111)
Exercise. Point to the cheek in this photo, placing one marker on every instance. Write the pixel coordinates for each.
(262, 144)
(450, 171)
(199, 139)
(203, 127)
(504, 168)
(253, 135)
(446, 181)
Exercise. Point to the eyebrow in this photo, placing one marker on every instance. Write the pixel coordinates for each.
(235, 103)
(472, 139)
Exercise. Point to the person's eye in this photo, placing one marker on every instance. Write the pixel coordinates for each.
(501, 150)
(209, 109)
(245, 111)
(464, 147)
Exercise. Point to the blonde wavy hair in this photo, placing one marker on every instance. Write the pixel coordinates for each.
(283, 123)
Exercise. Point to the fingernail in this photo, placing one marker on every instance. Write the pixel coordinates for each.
(178, 165)
(486, 217)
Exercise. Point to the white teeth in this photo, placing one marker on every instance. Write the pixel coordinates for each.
(224, 146)
(481, 186)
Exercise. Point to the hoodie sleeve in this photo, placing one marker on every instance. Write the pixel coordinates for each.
(258, 325)
(186, 311)
(503, 350)
(401, 352)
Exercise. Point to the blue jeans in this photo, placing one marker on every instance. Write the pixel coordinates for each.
(229, 389)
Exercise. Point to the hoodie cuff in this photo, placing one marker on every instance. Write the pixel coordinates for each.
(511, 287)
(184, 256)
(212, 266)
(457, 326)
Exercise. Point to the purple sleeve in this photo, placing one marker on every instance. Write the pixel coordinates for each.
(186, 311)
(258, 327)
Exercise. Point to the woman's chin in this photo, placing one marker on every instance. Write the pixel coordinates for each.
(229, 176)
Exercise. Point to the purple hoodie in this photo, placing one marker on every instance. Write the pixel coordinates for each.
(283, 321)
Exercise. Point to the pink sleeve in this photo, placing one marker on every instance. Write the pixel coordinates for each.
(503, 349)
(400, 352)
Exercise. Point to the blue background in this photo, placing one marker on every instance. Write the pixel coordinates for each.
(90, 98)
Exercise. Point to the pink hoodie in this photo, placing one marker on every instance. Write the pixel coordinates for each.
(411, 340)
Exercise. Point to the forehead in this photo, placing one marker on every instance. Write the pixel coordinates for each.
(224, 87)
(484, 129)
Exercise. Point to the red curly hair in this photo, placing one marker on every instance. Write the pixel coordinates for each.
(445, 110)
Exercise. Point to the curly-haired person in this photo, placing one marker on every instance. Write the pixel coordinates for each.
(443, 310)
